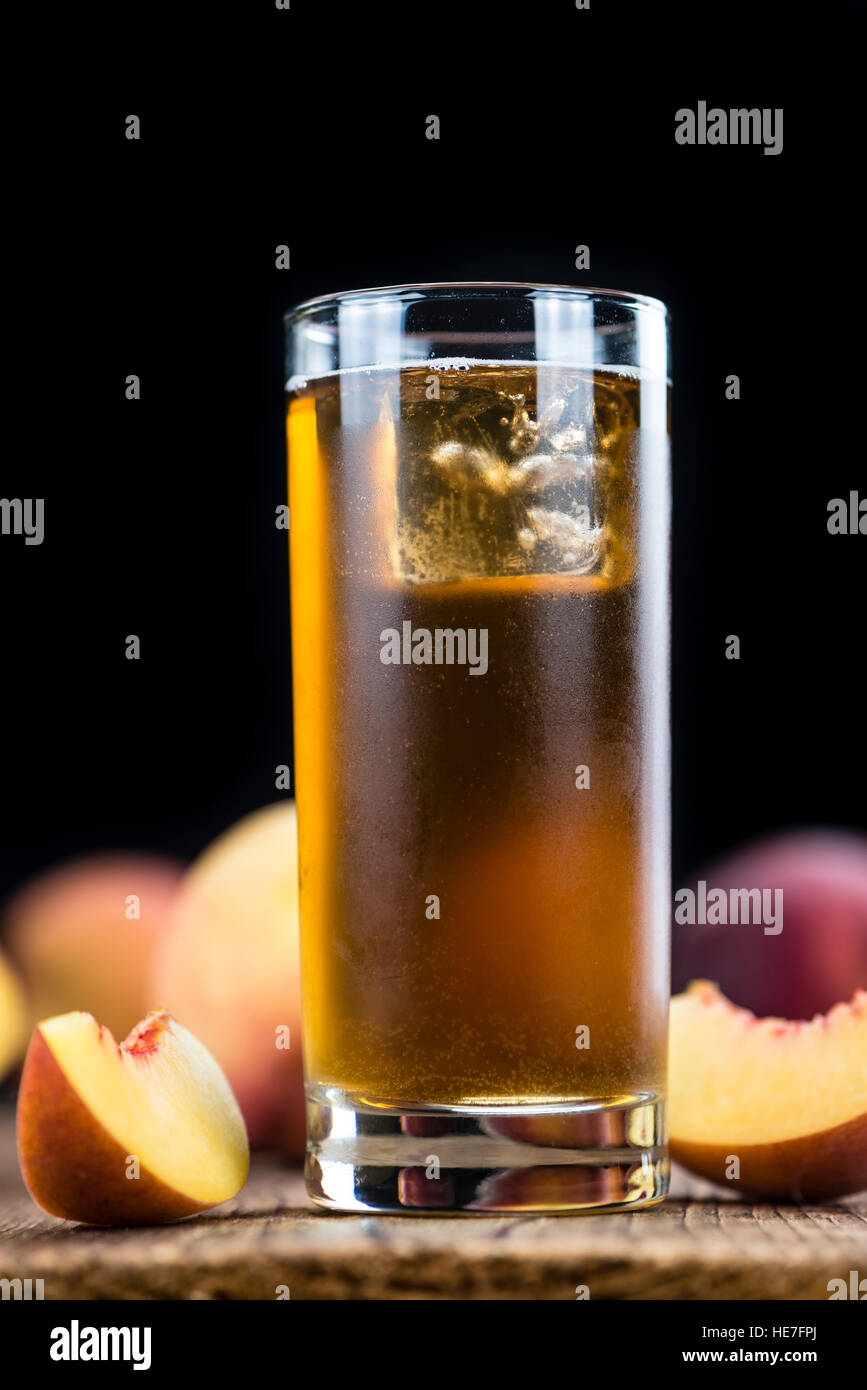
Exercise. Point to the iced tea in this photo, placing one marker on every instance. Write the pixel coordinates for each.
(483, 819)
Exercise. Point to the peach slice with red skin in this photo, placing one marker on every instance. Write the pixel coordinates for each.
(142, 1132)
(787, 1099)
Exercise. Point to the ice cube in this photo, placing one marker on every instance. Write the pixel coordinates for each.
(489, 487)
(574, 539)
(540, 471)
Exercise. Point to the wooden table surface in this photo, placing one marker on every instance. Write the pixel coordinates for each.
(700, 1244)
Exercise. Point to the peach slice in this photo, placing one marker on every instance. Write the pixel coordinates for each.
(787, 1099)
(122, 1135)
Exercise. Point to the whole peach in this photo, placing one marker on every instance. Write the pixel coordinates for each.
(13, 1018)
(820, 956)
(83, 934)
(229, 969)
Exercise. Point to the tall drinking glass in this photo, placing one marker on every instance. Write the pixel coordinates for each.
(479, 511)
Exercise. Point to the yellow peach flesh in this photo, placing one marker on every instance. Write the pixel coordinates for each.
(736, 1079)
(160, 1096)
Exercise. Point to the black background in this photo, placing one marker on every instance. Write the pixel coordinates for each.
(307, 127)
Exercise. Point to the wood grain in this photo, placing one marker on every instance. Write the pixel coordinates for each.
(694, 1246)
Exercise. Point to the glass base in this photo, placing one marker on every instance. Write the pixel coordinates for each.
(600, 1155)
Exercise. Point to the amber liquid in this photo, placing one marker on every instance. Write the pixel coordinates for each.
(471, 908)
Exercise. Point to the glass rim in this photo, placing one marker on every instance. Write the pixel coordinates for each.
(463, 289)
